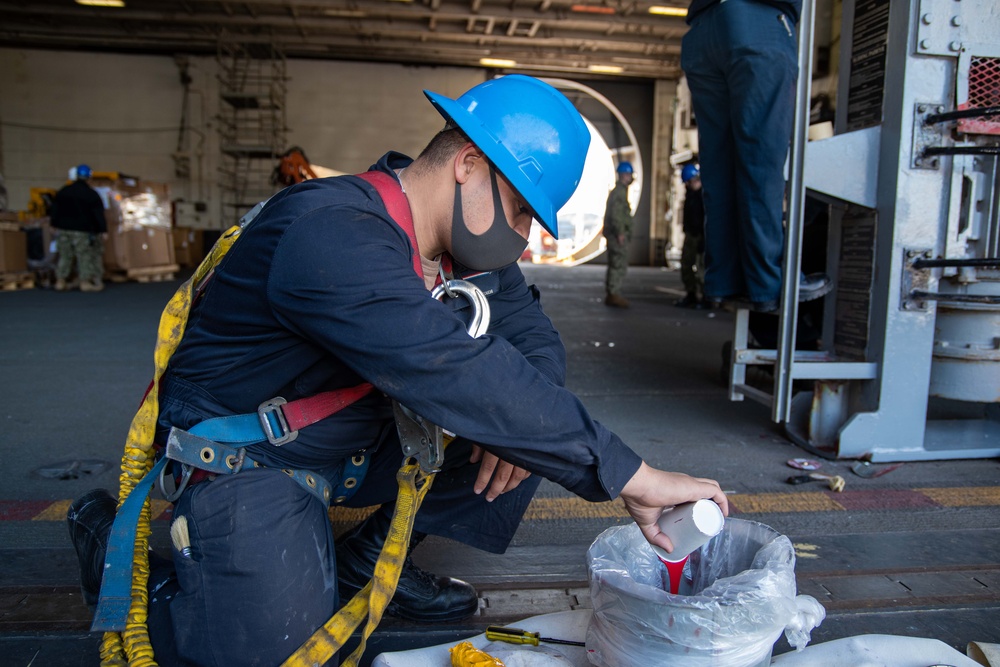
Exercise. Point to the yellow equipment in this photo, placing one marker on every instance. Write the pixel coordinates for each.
(467, 655)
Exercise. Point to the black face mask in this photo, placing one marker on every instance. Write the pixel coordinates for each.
(495, 248)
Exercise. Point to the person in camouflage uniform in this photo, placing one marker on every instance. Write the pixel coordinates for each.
(618, 232)
(78, 214)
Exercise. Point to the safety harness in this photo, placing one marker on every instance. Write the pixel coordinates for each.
(213, 447)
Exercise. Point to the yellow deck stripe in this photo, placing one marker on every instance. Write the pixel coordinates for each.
(157, 506)
(550, 509)
(751, 503)
(964, 497)
(542, 509)
(54, 512)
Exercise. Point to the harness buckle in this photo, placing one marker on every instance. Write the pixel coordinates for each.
(419, 438)
(273, 407)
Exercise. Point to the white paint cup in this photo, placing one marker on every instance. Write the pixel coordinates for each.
(689, 526)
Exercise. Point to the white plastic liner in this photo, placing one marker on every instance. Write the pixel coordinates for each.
(741, 587)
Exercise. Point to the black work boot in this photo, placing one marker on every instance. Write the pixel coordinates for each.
(90, 519)
(420, 596)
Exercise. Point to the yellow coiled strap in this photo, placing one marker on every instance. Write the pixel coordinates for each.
(132, 647)
(373, 598)
(467, 655)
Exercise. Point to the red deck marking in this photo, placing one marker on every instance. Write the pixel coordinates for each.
(21, 510)
(28, 510)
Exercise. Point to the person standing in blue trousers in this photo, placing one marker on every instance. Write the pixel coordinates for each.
(741, 65)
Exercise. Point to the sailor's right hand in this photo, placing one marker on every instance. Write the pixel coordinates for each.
(495, 474)
(650, 491)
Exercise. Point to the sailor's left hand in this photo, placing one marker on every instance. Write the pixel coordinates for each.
(505, 476)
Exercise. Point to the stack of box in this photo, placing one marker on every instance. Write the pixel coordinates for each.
(189, 246)
(140, 239)
(13, 245)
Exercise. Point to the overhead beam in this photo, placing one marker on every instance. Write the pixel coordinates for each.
(538, 35)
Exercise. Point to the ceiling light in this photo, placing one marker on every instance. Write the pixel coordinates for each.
(497, 62)
(606, 69)
(102, 3)
(592, 9)
(668, 11)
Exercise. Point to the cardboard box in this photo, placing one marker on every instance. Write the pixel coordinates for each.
(139, 248)
(131, 203)
(189, 246)
(13, 249)
(138, 214)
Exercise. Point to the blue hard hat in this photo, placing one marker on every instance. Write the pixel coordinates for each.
(82, 171)
(624, 168)
(530, 132)
(689, 171)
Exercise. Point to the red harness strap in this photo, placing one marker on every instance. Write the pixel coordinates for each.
(311, 409)
(398, 207)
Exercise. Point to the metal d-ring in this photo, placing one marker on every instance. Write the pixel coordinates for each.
(480, 320)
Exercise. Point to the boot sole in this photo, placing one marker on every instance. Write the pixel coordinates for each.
(817, 294)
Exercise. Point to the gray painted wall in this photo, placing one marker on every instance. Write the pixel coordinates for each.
(122, 113)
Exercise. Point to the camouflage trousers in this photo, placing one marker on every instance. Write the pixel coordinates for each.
(693, 264)
(617, 265)
(86, 249)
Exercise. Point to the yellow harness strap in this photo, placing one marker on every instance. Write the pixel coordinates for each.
(375, 597)
(132, 647)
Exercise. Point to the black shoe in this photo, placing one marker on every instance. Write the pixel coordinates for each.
(764, 306)
(90, 519)
(420, 596)
(730, 300)
(689, 301)
(814, 286)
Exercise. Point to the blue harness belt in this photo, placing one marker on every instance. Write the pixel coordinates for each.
(207, 446)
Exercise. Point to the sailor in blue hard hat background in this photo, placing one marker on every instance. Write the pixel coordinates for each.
(78, 213)
(320, 293)
(693, 249)
(618, 233)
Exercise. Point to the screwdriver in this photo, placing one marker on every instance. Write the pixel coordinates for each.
(519, 636)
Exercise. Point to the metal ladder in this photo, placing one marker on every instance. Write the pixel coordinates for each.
(790, 365)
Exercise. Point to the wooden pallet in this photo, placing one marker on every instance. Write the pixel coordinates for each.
(10, 282)
(145, 274)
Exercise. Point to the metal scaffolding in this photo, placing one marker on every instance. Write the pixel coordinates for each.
(252, 132)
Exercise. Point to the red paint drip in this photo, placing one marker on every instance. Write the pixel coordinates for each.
(675, 572)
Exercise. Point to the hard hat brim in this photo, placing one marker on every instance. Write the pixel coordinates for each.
(501, 158)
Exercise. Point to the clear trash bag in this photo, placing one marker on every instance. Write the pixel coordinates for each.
(740, 597)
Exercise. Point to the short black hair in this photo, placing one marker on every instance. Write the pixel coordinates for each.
(443, 146)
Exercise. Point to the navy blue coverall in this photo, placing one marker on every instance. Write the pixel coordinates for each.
(319, 293)
(741, 65)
